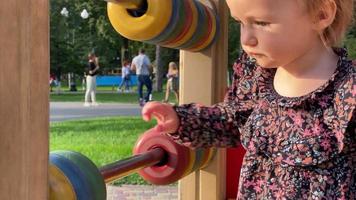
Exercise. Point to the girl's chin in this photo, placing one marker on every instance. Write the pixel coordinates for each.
(264, 64)
(268, 66)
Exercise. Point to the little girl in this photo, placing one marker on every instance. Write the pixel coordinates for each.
(291, 104)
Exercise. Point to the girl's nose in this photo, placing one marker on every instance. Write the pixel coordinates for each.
(247, 37)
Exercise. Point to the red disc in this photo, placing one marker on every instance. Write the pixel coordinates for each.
(175, 164)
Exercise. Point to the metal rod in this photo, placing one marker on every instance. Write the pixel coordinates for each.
(129, 4)
(132, 164)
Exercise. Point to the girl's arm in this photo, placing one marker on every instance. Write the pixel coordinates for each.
(218, 125)
(196, 125)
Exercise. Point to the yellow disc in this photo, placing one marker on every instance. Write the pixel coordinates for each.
(191, 163)
(59, 185)
(129, 4)
(211, 35)
(211, 155)
(146, 27)
(191, 31)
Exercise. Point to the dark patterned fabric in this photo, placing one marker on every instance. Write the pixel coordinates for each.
(296, 148)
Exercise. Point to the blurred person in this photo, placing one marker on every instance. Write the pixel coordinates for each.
(125, 77)
(92, 71)
(142, 65)
(172, 81)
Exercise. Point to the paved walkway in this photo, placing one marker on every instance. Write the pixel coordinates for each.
(61, 111)
(142, 192)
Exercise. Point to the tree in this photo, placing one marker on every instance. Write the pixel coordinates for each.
(159, 70)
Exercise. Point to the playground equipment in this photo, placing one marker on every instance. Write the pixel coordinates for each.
(24, 104)
(181, 24)
(192, 26)
(157, 158)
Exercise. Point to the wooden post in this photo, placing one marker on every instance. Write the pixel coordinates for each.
(203, 80)
(24, 88)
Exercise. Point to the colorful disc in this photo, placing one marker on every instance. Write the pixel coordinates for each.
(172, 25)
(145, 27)
(192, 160)
(199, 154)
(59, 185)
(89, 169)
(175, 164)
(189, 30)
(76, 177)
(208, 157)
(129, 4)
(211, 32)
(181, 23)
(200, 30)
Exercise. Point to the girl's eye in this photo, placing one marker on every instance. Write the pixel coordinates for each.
(262, 23)
(238, 21)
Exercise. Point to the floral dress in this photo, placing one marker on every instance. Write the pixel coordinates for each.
(296, 148)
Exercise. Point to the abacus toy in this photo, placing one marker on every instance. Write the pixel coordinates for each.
(180, 24)
(157, 158)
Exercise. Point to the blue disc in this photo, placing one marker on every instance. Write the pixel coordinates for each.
(202, 24)
(179, 26)
(89, 169)
(217, 19)
(172, 25)
(75, 176)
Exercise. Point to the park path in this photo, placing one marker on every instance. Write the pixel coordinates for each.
(142, 192)
(62, 111)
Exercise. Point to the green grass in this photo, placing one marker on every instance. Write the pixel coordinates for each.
(102, 140)
(106, 97)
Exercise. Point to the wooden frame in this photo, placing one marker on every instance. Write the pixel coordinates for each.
(203, 80)
(24, 88)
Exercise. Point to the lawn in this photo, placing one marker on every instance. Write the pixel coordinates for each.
(106, 95)
(103, 140)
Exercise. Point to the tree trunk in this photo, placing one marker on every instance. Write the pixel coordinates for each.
(124, 50)
(158, 72)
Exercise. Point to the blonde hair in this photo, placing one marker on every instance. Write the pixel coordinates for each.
(334, 34)
(173, 66)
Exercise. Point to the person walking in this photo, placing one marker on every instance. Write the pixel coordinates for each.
(142, 64)
(52, 81)
(172, 82)
(92, 71)
(125, 77)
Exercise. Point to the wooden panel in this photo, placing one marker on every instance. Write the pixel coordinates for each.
(203, 80)
(24, 76)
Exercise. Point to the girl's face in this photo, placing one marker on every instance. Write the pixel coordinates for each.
(274, 32)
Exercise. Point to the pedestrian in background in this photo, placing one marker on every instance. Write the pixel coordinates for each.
(125, 77)
(92, 71)
(172, 82)
(142, 64)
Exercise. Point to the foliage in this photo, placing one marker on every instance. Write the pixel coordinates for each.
(350, 41)
(234, 41)
(73, 37)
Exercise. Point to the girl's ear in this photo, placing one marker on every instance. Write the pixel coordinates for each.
(325, 16)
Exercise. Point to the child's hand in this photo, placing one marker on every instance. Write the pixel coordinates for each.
(167, 118)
